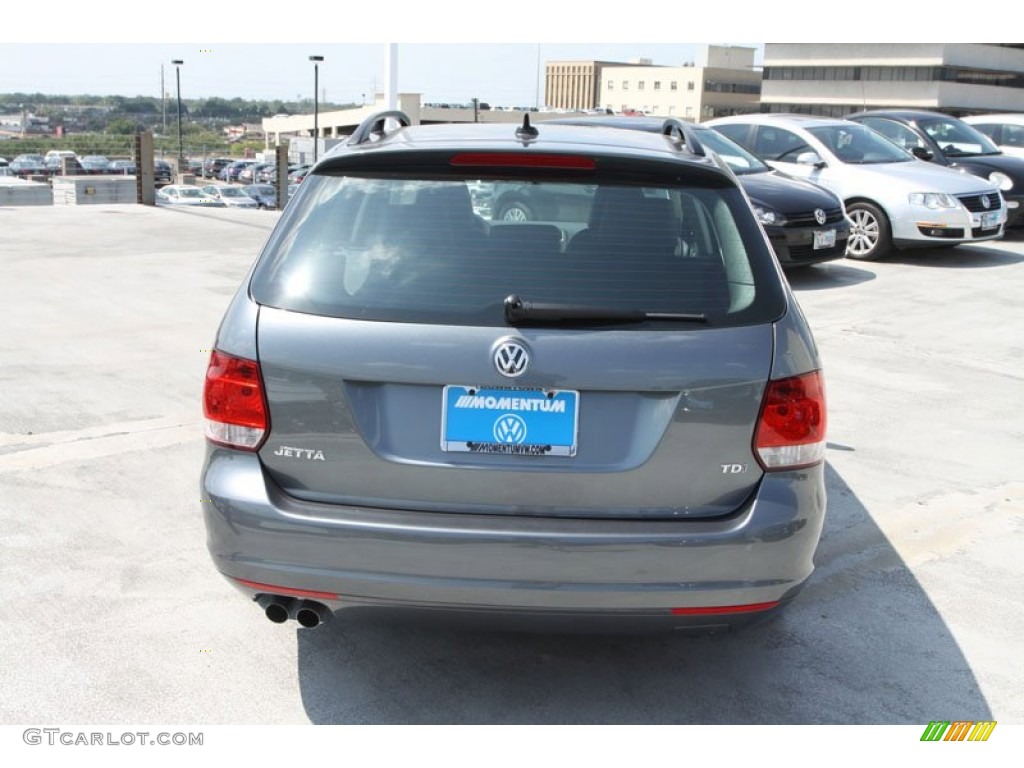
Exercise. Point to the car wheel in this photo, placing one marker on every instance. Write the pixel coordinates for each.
(515, 211)
(870, 236)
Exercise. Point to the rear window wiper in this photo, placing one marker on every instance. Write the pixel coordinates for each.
(519, 311)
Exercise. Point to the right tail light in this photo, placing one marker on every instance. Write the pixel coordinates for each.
(791, 428)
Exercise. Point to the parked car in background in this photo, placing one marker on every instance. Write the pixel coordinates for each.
(1005, 130)
(893, 200)
(163, 173)
(54, 157)
(186, 194)
(264, 194)
(230, 172)
(624, 429)
(267, 174)
(250, 174)
(95, 164)
(296, 175)
(122, 167)
(29, 165)
(232, 197)
(214, 165)
(947, 141)
(69, 166)
(805, 222)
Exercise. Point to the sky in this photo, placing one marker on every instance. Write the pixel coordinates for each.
(500, 74)
(448, 50)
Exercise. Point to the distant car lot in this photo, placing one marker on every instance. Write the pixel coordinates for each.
(100, 436)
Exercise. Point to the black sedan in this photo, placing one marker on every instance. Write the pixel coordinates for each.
(805, 223)
(95, 164)
(944, 140)
(29, 165)
(162, 172)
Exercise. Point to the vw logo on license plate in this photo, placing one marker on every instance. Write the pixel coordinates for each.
(510, 429)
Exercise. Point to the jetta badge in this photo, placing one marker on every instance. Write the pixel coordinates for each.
(511, 359)
(985, 202)
(819, 216)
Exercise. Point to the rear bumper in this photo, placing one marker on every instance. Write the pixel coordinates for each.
(520, 570)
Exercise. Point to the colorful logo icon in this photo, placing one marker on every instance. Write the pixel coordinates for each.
(958, 730)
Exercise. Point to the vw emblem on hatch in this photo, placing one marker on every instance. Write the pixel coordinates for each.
(511, 359)
(985, 202)
(819, 216)
(510, 429)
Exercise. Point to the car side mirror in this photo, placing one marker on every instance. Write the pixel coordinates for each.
(811, 158)
(921, 153)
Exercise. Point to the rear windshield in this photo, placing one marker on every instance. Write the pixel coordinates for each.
(450, 251)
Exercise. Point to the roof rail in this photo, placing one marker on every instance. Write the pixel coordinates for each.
(686, 134)
(375, 124)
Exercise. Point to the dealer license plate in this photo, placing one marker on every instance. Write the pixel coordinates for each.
(990, 220)
(824, 238)
(514, 422)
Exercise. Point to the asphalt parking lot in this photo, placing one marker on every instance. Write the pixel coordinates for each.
(112, 612)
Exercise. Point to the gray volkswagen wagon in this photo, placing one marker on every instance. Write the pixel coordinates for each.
(615, 421)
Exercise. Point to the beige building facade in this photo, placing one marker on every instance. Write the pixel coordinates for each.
(575, 85)
(835, 79)
(728, 84)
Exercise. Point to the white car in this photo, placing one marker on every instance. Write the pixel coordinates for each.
(893, 200)
(59, 154)
(185, 194)
(232, 197)
(1007, 131)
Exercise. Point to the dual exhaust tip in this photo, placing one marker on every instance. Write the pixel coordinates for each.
(279, 609)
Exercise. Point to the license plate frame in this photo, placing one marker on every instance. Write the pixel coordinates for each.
(509, 421)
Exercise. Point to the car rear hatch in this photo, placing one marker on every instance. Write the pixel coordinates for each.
(416, 356)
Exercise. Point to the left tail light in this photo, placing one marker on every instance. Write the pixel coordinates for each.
(234, 402)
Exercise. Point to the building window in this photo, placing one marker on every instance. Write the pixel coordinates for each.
(625, 85)
(657, 85)
(689, 86)
(640, 85)
(611, 85)
(674, 86)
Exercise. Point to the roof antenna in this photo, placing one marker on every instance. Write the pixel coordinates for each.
(526, 131)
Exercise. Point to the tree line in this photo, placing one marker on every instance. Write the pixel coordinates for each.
(136, 107)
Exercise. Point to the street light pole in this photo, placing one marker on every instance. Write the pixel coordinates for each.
(181, 145)
(316, 103)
